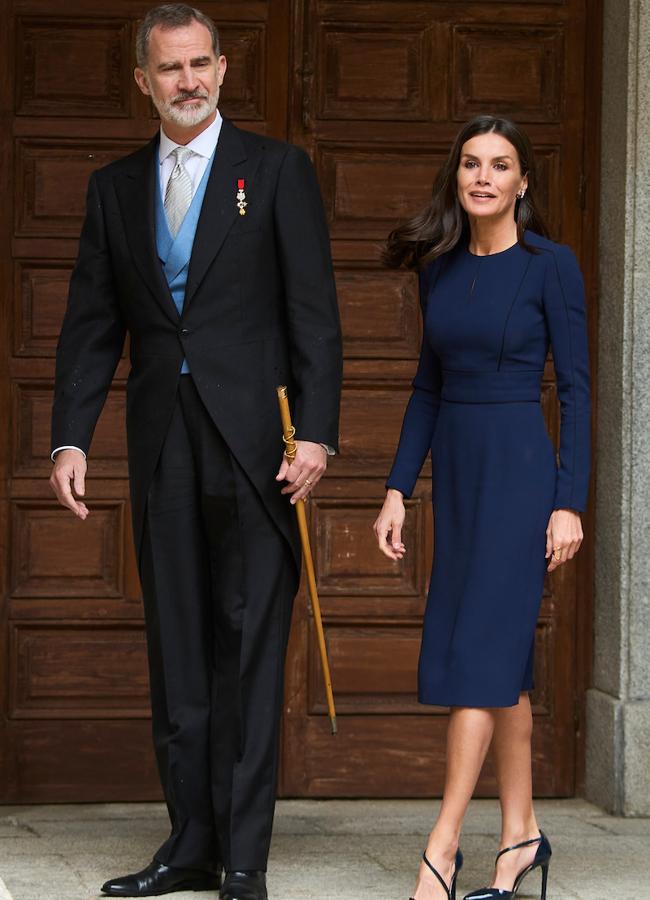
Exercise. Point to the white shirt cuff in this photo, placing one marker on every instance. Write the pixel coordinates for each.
(67, 447)
(329, 450)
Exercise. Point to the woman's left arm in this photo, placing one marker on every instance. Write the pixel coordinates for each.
(564, 305)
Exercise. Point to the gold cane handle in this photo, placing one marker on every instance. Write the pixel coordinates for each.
(290, 446)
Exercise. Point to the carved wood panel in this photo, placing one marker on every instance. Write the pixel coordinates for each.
(51, 182)
(378, 73)
(57, 555)
(53, 75)
(519, 69)
(40, 294)
(70, 671)
(379, 312)
(345, 560)
(244, 93)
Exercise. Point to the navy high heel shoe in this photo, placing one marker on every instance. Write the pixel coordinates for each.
(451, 890)
(541, 861)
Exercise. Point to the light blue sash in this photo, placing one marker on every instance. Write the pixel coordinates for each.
(175, 253)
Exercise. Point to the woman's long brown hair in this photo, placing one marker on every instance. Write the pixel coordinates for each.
(440, 226)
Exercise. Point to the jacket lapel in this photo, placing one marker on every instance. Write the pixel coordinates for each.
(219, 210)
(135, 191)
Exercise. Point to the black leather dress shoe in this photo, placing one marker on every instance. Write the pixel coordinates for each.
(157, 879)
(244, 886)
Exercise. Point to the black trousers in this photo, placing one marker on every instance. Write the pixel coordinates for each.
(218, 581)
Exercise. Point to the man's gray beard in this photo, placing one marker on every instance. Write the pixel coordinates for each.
(186, 116)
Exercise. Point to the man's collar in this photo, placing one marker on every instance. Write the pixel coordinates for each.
(203, 144)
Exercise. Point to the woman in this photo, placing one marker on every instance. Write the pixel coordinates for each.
(495, 292)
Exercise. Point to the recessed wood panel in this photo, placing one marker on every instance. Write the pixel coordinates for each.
(52, 179)
(55, 554)
(89, 671)
(64, 761)
(379, 313)
(549, 188)
(375, 72)
(374, 669)
(41, 294)
(512, 70)
(32, 417)
(367, 191)
(370, 423)
(244, 88)
(53, 74)
(348, 560)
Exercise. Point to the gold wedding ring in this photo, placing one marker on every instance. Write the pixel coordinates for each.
(307, 481)
(557, 552)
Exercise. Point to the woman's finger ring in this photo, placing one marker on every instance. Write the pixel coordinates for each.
(307, 481)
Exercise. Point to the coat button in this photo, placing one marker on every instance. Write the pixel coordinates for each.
(184, 332)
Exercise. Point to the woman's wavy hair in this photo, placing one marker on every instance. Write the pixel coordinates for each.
(440, 226)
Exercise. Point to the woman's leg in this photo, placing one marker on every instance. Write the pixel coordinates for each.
(468, 737)
(513, 731)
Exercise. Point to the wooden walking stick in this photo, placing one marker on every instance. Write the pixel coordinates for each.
(290, 453)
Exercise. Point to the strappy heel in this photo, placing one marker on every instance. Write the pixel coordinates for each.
(541, 861)
(451, 890)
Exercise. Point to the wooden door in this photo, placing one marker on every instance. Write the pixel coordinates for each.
(381, 90)
(375, 92)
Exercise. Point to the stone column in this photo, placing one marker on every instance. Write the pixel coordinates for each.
(618, 706)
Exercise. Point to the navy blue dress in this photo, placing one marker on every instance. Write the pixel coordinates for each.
(488, 324)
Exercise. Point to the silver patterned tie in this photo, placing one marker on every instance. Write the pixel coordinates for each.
(178, 194)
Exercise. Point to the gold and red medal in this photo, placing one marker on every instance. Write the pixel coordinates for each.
(241, 197)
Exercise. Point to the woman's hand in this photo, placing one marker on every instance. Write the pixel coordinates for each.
(563, 537)
(390, 521)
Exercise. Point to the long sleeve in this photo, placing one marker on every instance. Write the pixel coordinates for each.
(92, 336)
(310, 296)
(421, 413)
(564, 304)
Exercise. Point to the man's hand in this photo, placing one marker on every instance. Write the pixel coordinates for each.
(70, 469)
(304, 473)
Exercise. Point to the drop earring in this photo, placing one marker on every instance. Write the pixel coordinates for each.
(521, 195)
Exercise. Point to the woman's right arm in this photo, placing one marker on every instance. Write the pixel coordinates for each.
(414, 443)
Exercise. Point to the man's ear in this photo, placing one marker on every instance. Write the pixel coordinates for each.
(222, 65)
(142, 81)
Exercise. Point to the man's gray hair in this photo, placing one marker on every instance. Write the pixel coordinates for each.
(170, 15)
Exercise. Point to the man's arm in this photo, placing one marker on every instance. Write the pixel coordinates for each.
(310, 296)
(89, 348)
(313, 321)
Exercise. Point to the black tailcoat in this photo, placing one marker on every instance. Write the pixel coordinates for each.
(260, 310)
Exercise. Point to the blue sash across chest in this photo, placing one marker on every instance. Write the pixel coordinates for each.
(175, 253)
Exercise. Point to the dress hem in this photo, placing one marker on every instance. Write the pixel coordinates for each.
(473, 704)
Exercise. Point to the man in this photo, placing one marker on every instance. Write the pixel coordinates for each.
(209, 247)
